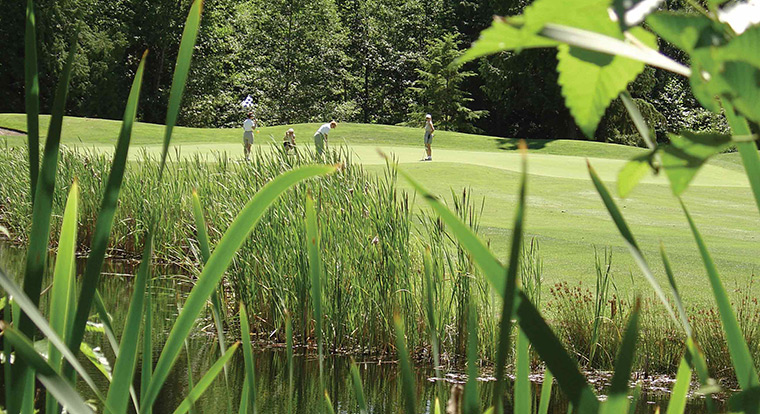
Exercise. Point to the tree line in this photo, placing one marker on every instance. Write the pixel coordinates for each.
(370, 61)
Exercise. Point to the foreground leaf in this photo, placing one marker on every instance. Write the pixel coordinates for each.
(591, 80)
(632, 173)
(217, 264)
(250, 373)
(124, 369)
(687, 153)
(106, 213)
(680, 392)
(32, 96)
(54, 383)
(741, 358)
(407, 379)
(617, 400)
(206, 380)
(64, 282)
(181, 70)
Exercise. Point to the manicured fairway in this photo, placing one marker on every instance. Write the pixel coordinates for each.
(564, 211)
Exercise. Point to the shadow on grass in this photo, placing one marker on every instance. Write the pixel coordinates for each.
(510, 144)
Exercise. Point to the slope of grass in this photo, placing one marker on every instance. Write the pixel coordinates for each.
(564, 211)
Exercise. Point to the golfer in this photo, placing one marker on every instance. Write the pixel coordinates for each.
(289, 140)
(320, 138)
(429, 132)
(249, 125)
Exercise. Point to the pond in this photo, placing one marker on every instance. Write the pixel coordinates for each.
(381, 378)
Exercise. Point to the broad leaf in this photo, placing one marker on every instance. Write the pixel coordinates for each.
(503, 36)
(591, 80)
(687, 153)
(742, 48)
(684, 31)
(631, 173)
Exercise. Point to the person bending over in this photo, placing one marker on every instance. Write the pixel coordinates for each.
(320, 138)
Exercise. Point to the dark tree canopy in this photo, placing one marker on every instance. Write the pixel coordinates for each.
(370, 61)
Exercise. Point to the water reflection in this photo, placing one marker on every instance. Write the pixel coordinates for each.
(381, 379)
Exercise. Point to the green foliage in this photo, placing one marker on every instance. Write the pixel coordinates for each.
(439, 88)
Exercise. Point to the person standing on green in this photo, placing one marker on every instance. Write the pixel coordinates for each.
(249, 125)
(429, 132)
(320, 138)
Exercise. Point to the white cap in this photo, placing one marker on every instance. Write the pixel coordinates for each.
(428, 116)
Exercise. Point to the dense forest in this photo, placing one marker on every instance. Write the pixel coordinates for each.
(371, 61)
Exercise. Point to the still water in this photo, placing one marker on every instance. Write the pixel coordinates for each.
(381, 379)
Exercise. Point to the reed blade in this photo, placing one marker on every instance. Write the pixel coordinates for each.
(39, 235)
(747, 149)
(471, 399)
(216, 266)
(107, 211)
(407, 379)
(181, 70)
(315, 270)
(61, 390)
(488, 263)
(523, 395)
(36, 318)
(250, 373)
(64, 279)
(680, 392)
(124, 369)
(617, 400)
(741, 358)
(206, 380)
(32, 96)
(508, 302)
(550, 349)
(546, 392)
(634, 249)
(147, 353)
(356, 380)
(203, 242)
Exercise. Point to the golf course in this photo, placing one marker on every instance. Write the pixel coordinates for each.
(564, 212)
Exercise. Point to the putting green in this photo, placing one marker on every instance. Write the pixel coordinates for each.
(564, 211)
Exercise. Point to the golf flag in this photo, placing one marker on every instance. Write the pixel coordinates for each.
(247, 102)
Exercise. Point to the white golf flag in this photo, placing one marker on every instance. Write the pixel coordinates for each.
(247, 102)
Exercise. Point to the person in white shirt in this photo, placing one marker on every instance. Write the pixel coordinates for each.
(320, 138)
(249, 125)
(429, 132)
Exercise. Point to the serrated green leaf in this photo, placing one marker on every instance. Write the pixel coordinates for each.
(684, 31)
(742, 48)
(591, 80)
(632, 173)
(687, 153)
(503, 36)
(743, 88)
